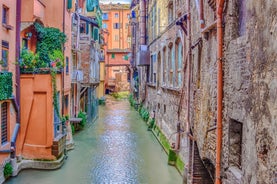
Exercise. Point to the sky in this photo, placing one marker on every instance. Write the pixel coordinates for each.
(115, 1)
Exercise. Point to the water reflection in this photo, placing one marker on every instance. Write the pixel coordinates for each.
(116, 149)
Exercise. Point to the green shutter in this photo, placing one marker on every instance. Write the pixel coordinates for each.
(95, 34)
(113, 55)
(87, 28)
(69, 4)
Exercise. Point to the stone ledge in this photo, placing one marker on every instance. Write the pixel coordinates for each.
(36, 164)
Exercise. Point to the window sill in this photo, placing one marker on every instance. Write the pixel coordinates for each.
(8, 27)
(176, 89)
(153, 85)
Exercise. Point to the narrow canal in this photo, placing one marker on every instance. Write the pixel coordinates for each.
(117, 148)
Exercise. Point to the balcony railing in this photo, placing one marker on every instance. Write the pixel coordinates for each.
(77, 75)
(6, 85)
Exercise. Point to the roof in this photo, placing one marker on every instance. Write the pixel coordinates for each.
(119, 50)
(114, 6)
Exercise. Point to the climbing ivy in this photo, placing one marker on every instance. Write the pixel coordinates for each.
(6, 86)
(55, 93)
(49, 40)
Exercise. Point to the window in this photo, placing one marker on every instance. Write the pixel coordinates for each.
(235, 143)
(179, 57)
(5, 15)
(104, 26)
(105, 16)
(116, 38)
(173, 68)
(242, 17)
(153, 68)
(116, 25)
(113, 55)
(170, 64)
(128, 16)
(116, 15)
(69, 4)
(66, 65)
(95, 34)
(66, 101)
(4, 122)
(24, 43)
(164, 66)
(5, 53)
(126, 25)
(84, 28)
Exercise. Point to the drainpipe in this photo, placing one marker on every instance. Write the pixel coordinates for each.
(142, 22)
(189, 66)
(63, 54)
(202, 21)
(17, 100)
(219, 88)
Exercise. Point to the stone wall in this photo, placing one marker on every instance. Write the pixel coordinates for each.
(250, 90)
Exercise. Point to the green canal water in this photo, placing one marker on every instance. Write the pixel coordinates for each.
(116, 149)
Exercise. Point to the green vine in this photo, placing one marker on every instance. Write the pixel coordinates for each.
(6, 86)
(55, 93)
(49, 41)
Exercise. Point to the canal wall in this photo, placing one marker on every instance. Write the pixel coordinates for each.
(19, 165)
(174, 157)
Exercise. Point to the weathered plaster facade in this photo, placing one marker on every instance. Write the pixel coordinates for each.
(248, 153)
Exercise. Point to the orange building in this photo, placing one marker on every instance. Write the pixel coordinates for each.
(8, 85)
(41, 135)
(116, 25)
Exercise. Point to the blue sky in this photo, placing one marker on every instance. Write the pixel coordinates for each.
(115, 1)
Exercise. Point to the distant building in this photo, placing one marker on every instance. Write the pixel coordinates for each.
(116, 25)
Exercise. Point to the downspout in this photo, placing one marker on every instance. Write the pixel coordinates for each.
(189, 67)
(202, 21)
(17, 100)
(142, 22)
(63, 54)
(219, 88)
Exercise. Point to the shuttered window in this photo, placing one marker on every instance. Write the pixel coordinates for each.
(4, 122)
(69, 4)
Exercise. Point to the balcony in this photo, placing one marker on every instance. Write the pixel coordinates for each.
(77, 76)
(6, 85)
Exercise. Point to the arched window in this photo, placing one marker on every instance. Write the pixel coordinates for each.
(164, 66)
(179, 62)
(170, 64)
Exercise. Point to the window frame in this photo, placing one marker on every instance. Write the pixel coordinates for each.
(5, 49)
(4, 140)
(5, 15)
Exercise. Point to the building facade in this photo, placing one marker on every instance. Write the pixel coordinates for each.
(115, 25)
(211, 68)
(86, 54)
(9, 87)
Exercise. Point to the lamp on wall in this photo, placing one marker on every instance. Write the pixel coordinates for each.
(28, 35)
